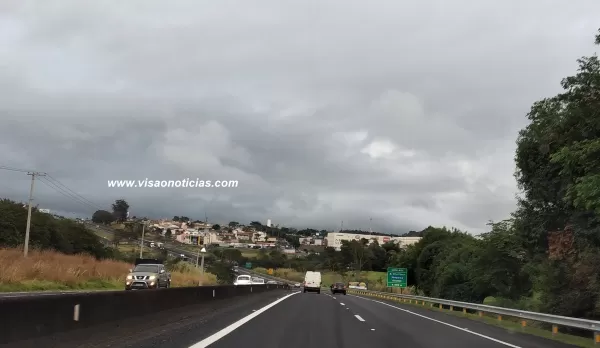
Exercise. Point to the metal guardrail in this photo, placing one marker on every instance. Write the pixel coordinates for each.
(556, 320)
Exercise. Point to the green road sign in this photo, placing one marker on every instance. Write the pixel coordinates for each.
(397, 277)
(248, 265)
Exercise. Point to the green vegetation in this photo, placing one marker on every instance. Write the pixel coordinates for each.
(47, 232)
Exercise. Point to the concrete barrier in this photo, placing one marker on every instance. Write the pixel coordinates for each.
(38, 316)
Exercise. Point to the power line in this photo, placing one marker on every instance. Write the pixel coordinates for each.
(69, 195)
(13, 169)
(63, 186)
(57, 186)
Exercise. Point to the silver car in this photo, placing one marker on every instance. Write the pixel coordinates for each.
(148, 275)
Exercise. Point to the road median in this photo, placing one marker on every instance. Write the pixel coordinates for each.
(39, 316)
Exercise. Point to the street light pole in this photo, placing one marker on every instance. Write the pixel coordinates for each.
(202, 251)
(142, 241)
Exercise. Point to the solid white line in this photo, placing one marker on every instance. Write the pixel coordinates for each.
(359, 318)
(342, 304)
(441, 322)
(229, 329)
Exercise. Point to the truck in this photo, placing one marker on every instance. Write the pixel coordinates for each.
(148, 274)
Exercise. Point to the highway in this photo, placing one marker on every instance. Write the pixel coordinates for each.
(310, 320)
(293, 319)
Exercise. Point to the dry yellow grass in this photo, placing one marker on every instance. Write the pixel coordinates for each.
(50, 270)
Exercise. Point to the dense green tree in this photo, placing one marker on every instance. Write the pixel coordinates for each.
(103, 217)
(120, 209)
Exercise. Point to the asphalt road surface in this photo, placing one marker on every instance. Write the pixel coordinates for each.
(311, 320)
(296, 320)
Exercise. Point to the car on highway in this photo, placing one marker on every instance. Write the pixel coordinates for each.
(272, 282)
(258, 281)
(338, 288)
(148, 274)
(312, 282)
(243, 279)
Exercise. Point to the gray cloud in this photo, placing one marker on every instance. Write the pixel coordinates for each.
(405, 113)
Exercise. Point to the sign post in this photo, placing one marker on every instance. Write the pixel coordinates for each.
(397, 277)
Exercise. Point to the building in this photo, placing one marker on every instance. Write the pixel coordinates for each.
(269, 223)
(334, 239)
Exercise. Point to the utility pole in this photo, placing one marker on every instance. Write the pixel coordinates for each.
(370, 222)
(342, 227)
(27, 229)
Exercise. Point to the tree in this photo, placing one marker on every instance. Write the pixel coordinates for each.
(120, 209)
(168, 233)
(47, 232)
(234, 224)
(102, 217)
(216, 227)
(355, 253)
(222, 270)
(176, 218)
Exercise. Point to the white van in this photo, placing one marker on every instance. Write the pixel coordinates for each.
(312, 282)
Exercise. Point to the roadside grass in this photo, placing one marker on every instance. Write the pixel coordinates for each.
(512, 325)
(50, 270)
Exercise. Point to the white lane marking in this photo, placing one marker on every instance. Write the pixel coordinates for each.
(229, 329)
(359, 317)
(372, 329)
(441, 322)
(342, 304)
(334, 298)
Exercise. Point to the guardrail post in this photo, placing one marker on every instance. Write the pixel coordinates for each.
(523, 323)
(464, 311)
(451, 308)
(554, 329)
(499, 318)
(597, 337)
(76, 312)
(480, 314)
(441, 306)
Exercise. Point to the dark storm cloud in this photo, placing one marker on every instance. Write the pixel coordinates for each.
(324, 111)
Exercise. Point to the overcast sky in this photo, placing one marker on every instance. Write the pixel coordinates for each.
(405, 112)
